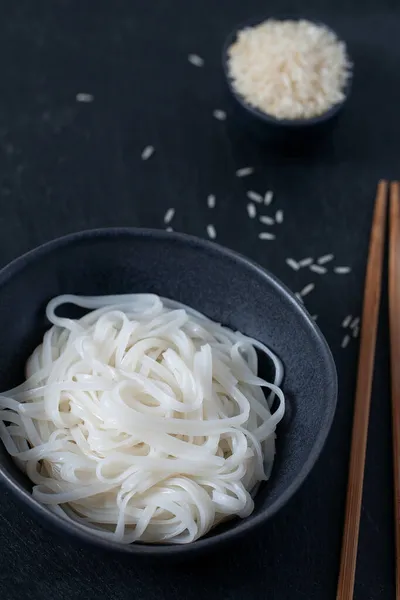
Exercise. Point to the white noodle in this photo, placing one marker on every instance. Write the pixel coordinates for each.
(143, 420)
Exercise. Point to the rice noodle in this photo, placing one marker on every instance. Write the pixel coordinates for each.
(143, 420)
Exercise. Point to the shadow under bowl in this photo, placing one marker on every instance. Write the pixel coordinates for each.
(221, 284)
(266, 127)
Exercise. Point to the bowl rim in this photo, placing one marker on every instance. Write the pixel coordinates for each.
(266, 117)
(242, 527)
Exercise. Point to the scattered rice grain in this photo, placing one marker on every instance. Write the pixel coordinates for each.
(268, 197)
(355, 322)
(356, 332)
(251, 210)
(266, 220)
(345, 341)
(147, 152)
(279, 216)
(82, 97)
(169, 215)
(346, 321)
(169, 229)
(196, 60)
(244, 172)
(211, 232)
(318, 269)
(211, 201)
(322, 260)
(342, 270)
(254, 196)
(220, 115)
(306, 262)
(291, 262)
(264, 235)
(307, 289)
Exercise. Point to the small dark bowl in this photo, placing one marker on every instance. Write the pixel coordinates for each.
(268, 127)
(216, 281)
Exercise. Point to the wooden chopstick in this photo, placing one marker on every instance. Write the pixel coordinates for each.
(394, 322)
(369, 326)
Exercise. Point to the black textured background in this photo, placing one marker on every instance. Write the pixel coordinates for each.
(66, 166)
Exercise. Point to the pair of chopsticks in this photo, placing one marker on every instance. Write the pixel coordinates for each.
(369, 326)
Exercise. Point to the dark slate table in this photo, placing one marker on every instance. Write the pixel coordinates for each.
(66, 166)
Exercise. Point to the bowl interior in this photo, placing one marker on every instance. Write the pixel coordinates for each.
(217, 282)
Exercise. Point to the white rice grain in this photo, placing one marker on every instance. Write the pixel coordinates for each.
(251, 210)
(266, 220)
(147, 152)
(318, 269)
(83, 97)
(265, 235)
(307, 289)
(211, 232)
(211, 201)
(252, 195)
(196, 60)
(342, 270)
(292, 263)
(356, 332)
(244, 172)
(322, 260)
(306, 262)
(268, 197)
(279, 216)
(355, 322)
(169, 229)
(220, 115)
(169, 215)
(346, 321)
(345, 341)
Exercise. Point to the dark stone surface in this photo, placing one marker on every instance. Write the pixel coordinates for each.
(66, 166)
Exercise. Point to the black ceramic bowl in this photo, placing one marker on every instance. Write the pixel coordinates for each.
(223, 285)
(268, 127)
